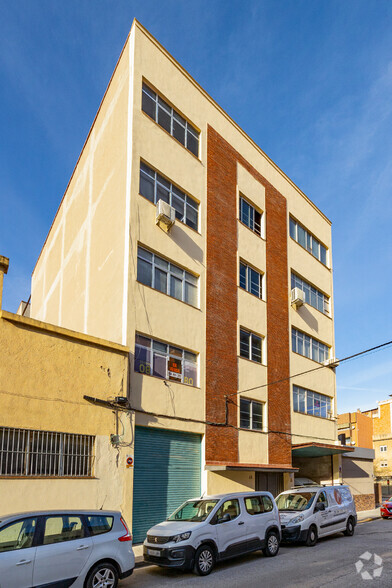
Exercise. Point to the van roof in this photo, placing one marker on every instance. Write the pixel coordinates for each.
(314, 487)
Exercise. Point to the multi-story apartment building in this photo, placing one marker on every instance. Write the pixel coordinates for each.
(205, 307)
(355, 428)
(382, 442)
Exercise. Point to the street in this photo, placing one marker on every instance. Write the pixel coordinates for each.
(330, 563)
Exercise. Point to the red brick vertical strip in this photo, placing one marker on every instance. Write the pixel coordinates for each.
(221, 313)
(278, 336)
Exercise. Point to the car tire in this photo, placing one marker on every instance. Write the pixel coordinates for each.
(312, 537)
(204, 560)
(271, 544)
(102, 572)
(350, 527)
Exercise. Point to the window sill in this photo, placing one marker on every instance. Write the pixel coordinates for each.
(252, 361)
(253, 430)
(311, 254)
(167, 381)
(315, 416)
(168, 296)
(254, 295)
(253, 232)
(319, 363)
(328, 316)
(171, 136)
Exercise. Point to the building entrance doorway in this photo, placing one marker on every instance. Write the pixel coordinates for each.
(271, 482)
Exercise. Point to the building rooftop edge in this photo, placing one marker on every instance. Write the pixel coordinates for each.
(61, 331)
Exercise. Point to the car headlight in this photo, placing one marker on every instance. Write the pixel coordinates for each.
(296, 520)
(181, 537)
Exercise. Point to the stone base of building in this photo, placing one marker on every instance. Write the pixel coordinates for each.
(364, 502)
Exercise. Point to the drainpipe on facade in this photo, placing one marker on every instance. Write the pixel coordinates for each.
(4, 264)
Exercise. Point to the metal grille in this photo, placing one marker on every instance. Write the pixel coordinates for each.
(25, 452)
(155, 539)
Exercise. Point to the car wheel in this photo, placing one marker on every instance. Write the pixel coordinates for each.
(311, 539)
(204, 560)
(103, 575)
(271, 544)
(350, 527)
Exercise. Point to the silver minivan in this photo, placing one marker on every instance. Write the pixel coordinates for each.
(309, 512)
(205, 530)
(78, 548)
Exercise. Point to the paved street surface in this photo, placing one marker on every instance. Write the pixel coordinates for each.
(330, 563)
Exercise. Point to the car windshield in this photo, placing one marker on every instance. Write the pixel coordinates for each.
(193, 510)
(295, 501)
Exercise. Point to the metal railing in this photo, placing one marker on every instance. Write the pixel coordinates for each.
(29, 453)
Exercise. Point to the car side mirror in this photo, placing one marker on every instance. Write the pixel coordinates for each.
(225, 519)
(320, 506)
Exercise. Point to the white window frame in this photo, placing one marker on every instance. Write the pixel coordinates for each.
(251, 405)
(306, 396)
(247, 288)
(309, 290)
(383, 448)
(251, 336)
(310, 241)
(308, 342)
(253, 224)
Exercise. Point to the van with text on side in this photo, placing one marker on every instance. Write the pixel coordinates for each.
(309, 512)
(205, 530)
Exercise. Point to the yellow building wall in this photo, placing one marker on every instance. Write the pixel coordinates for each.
(44, 373)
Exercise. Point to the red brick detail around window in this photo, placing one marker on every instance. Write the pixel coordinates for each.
(221, 316)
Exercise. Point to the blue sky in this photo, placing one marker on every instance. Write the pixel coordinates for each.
(310, 81)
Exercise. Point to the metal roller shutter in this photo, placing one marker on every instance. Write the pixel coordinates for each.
(167, 472)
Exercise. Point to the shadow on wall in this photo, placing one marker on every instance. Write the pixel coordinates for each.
(308, 317)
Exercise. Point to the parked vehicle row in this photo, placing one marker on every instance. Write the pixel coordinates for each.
(93, 549)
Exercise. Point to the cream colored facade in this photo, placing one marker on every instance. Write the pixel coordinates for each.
(45, 371)
(86, 276)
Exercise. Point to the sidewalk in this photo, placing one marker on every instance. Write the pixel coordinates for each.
(368, 515)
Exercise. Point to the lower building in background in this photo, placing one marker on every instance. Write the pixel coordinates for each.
(357, 473)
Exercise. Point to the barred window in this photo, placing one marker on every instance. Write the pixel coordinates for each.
(170, 120)
(155, 187)
(309, 347)
(312, 296)
(30, 453)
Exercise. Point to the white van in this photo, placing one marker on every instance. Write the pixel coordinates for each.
(205, 530)
(309, 512)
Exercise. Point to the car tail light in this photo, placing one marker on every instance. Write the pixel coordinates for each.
(127, 536)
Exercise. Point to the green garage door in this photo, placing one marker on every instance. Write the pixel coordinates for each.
(167, 471)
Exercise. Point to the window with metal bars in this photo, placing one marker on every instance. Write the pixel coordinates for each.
(170, 120)
(30, 453)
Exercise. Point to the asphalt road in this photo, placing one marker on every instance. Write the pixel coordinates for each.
(330, 563)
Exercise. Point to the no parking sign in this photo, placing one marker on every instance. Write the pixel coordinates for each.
(129, 461)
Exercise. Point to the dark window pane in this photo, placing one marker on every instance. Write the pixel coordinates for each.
(323, 254)
(257, 416)
(257, 224)
(148, 105)
(293, 229)
(191, 217)
(256, 348)
(308, 242)
(254, 282)
(175, 368)
(244, 344)
(243, 276)
(190, 294)
(295, 398)
(245, 213)
(160, 363)
(190, 373)
(163, 190)
(301, 236)
(160, 280)
(100, 524)
(316, 248)
(146, 186)
(164, 118)
(294, 340)
(178, 203)
(175, 288)
(144, 272)
(192, 143)
(244, 414)
(268, 506)
(179, 128)
(142, 360)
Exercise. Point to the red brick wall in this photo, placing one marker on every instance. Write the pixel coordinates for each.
(222, 445)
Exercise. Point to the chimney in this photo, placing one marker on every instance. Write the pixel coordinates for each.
(4, 263)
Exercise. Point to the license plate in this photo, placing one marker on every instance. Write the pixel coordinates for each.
(154, 552)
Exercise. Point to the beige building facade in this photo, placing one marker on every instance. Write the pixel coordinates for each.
(226, 313)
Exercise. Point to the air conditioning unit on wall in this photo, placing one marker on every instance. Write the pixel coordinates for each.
(297, 297)
(332, 362)
(165, 215)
